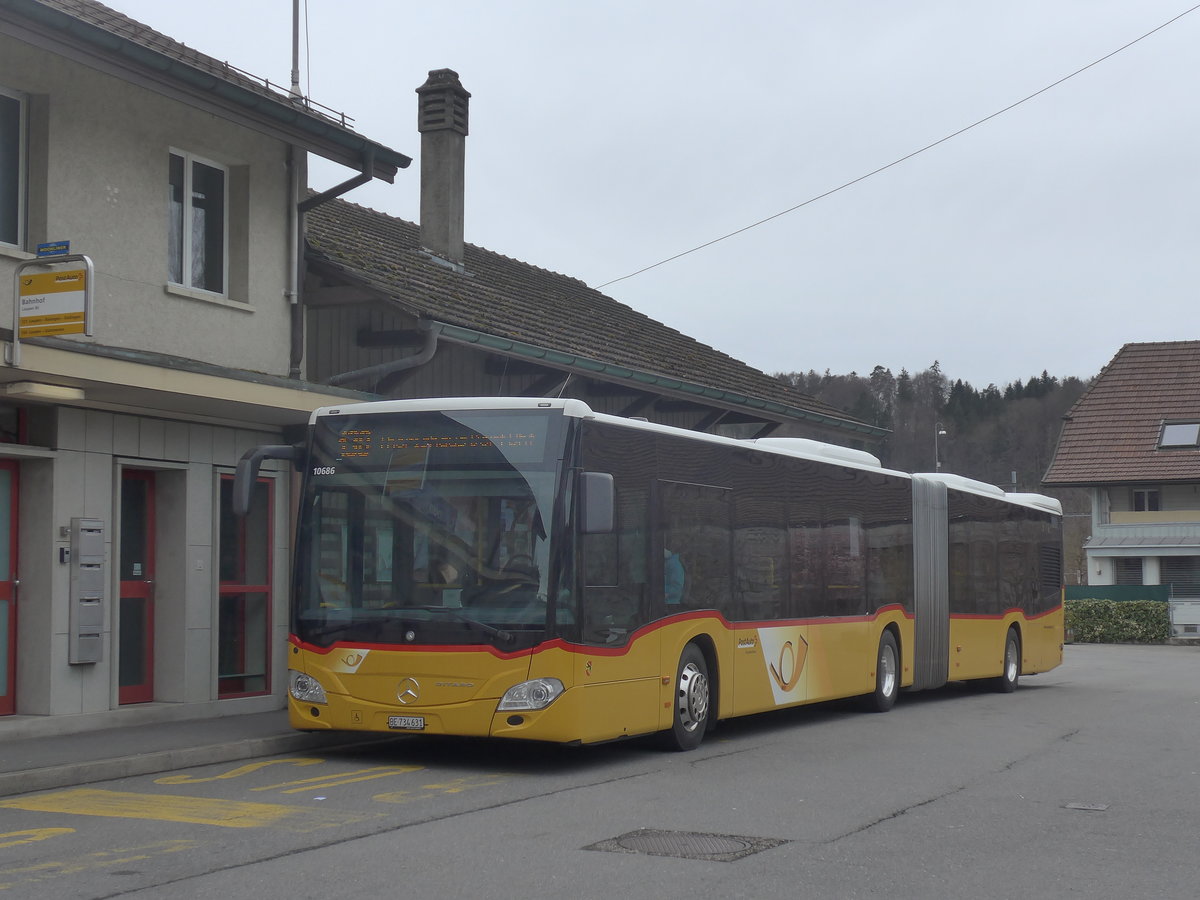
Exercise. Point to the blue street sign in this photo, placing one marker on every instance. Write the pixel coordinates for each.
(54, 248)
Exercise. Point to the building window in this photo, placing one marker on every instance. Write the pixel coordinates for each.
(1182, 573)
(1127, 570)
(12, 168)
(13, 424)
(1180, 434)
(197, 231)
(1146, 500)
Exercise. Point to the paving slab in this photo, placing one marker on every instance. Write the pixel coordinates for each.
(53, 761)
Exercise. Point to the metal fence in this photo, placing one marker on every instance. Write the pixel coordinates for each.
(1122, 592)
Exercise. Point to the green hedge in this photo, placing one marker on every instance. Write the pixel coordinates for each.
(1118, 622)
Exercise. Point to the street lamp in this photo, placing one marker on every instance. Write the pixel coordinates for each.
(938, 431)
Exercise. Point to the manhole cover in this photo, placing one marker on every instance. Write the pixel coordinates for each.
(686, 844)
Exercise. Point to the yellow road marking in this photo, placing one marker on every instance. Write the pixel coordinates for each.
(326, 781)
(239, 771)
(458, 785)
(193, 810)
(454, 786)
(30, 836)
(91, 861)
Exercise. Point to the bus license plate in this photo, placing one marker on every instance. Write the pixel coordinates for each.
(408, 723)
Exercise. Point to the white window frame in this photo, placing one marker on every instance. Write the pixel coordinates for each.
(189, 159)
(1146, 498)
(22, 164)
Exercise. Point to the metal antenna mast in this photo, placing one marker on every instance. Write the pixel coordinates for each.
(295, 91)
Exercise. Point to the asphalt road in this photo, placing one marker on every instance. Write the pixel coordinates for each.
(1083, 783)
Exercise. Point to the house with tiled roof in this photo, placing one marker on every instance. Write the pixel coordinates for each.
(1134, 441)
(413, 310)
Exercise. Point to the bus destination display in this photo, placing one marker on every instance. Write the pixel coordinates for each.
(523, 440)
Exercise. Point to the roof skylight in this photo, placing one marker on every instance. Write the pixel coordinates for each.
(1180, 434)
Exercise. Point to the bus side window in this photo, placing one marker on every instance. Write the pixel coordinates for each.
(696, 530)
(845, 566)
(601, 559)
(674, 578)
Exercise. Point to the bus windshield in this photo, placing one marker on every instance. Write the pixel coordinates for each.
(428, 528)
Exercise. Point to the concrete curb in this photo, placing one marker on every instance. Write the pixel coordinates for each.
(154, 762)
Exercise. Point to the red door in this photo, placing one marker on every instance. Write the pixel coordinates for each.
(8, 586)
(135, 645)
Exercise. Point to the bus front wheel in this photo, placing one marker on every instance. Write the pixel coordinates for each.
(887, 675)
(691, 703)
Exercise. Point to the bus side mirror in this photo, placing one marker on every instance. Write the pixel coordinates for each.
(247, 471)
(597, 502)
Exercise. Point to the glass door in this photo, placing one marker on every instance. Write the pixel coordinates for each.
(135, 648)
(244, 619)
(8, 586)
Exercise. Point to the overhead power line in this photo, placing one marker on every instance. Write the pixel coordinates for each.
(902, 159)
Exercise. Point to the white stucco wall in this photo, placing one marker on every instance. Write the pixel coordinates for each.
(103, 146)
(78, 477)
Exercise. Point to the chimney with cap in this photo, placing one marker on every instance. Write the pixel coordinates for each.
(442, 121)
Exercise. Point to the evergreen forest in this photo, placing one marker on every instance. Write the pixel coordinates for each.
(1000, 435)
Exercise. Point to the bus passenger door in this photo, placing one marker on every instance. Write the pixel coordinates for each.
(770, 653)
(618, 670)
(619, 667)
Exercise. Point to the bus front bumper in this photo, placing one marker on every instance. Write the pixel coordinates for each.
(477, 718)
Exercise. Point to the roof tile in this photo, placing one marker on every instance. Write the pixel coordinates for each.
(1111, 434)
(116, 23)
(502, 296)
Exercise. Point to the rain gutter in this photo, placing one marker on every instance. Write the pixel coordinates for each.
(429, 347)
(296, 211)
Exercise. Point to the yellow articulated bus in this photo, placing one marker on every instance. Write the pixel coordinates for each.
(524, 568)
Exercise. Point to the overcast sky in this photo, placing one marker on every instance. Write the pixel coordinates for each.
(607, 135)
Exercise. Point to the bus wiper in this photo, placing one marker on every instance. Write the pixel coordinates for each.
(327, 630)
(475, 624)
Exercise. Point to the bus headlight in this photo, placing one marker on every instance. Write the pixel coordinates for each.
(305, 687)
(536, 694)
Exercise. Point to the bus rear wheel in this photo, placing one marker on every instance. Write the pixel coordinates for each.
(691, 703)
(1007, 682)
(887, 675)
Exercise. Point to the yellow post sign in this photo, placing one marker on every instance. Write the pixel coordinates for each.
(53, 303)
(50, 303)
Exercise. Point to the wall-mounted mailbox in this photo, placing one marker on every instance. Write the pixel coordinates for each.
(87, 591)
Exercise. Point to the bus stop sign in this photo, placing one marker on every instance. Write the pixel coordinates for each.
(54, 302)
